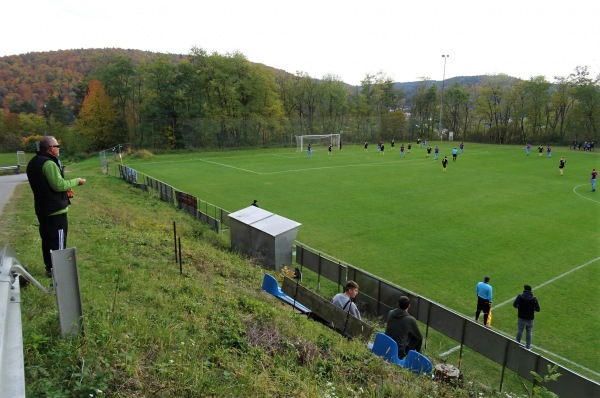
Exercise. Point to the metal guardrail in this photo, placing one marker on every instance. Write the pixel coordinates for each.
(68, 298)
(12, 371)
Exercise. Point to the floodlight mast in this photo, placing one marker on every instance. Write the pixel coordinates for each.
(442, 96)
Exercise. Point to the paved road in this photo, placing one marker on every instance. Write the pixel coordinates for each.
(7, 186)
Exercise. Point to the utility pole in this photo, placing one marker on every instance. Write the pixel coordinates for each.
(442, 96)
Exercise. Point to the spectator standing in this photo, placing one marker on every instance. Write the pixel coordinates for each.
(51, 194)
(345, 300)
(527, 305)
(484, 299)
(403, 328)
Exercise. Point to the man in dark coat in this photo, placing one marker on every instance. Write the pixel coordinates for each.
(527, 304)
(403, 328)
(51, 193)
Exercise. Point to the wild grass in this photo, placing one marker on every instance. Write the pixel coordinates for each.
(151, 332)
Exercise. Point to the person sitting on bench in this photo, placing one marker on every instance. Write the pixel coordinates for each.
(403, 328)
(344, 300)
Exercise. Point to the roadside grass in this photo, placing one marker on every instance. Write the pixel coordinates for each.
(150, 331)
(495, 212)
(10, 159)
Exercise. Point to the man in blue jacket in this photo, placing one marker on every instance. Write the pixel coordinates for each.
(484, 299)
(51, 193)
(527, 304)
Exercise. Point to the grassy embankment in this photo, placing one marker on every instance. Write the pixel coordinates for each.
(152, 332)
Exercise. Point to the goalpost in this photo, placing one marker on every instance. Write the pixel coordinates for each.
(302, 141)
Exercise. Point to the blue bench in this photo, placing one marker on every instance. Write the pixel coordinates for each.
(271, 286)
(385, 347)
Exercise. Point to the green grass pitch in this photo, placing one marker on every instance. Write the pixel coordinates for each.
(495, 212)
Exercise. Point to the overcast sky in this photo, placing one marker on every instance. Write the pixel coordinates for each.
(346, 38)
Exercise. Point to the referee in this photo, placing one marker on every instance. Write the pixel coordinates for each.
(484, 299)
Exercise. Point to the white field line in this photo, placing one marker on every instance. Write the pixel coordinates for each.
(584, 197)
(414, 161)
(538, 348)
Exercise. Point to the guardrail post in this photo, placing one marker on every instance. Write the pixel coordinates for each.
(68, 296)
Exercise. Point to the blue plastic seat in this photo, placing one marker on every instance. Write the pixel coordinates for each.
(384, 346)
(417, 362)
(271, 286)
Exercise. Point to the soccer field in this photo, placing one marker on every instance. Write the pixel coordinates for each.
(495, 212)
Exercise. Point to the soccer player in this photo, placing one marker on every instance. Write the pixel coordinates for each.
(408, 148)
(366, 146)
(462, 147)
(540, 150)
(381, 148)
(527, 149)
(402, 154)
(428, 151)
(454, 154)
(393, 143)
(436, 153)
(561, 165)
(549, 151)
(593, 180)
(309, 151)
(444, 164)
(329, 150)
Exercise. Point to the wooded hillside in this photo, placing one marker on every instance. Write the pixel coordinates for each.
(28, 80)
(96, 98)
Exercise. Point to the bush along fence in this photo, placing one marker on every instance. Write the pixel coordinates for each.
(377, 297)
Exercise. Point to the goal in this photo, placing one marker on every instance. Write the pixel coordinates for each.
(302, 141)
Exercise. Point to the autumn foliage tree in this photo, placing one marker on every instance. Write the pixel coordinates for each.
(98, 119)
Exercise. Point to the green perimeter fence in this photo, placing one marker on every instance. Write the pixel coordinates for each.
(377, 297)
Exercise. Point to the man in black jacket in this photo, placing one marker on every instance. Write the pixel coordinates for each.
(51, 193)
(403, 328)
(527, 304)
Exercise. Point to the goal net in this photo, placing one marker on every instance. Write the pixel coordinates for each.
(316, 141)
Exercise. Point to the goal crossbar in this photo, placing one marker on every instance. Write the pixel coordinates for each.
(302, 141)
